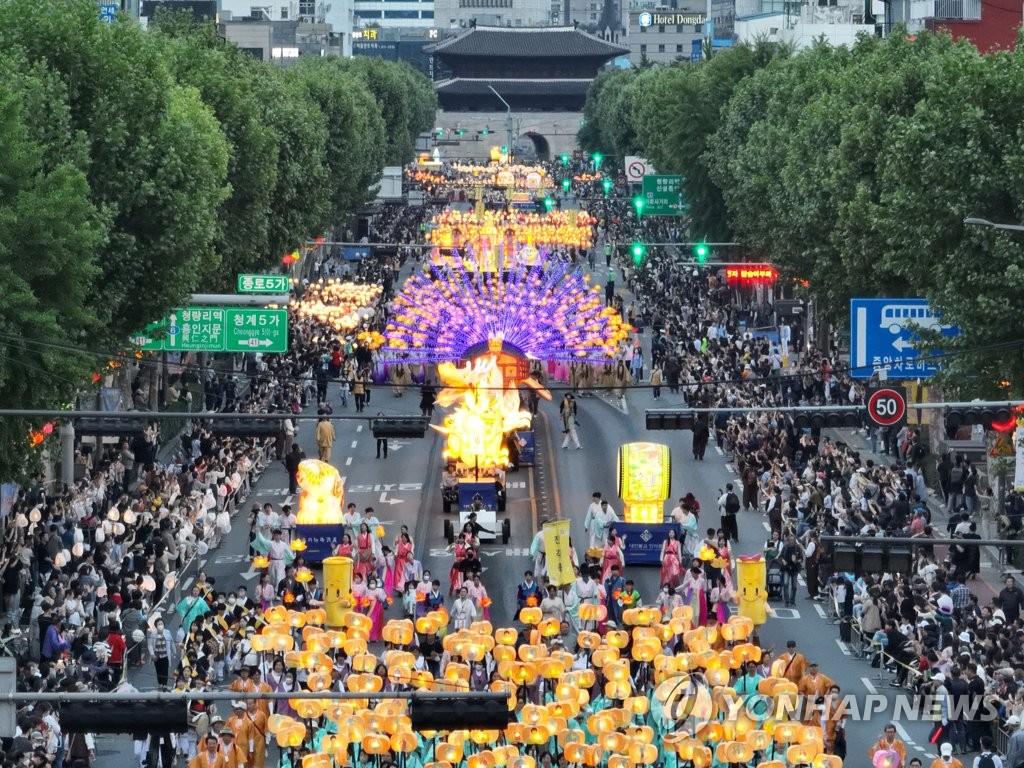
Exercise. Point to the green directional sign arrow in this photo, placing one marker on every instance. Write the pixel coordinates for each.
(256, 330)
(263, 284)
(663, 195)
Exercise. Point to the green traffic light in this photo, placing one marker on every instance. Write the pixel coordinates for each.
(607, 184)
(700, 251)
(639, 252)
(549, 203)
(565, 159)
(566, 184)
(597, 159)
(638, 203)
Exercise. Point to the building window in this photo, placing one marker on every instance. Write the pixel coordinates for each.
(426, 14)
(661, 29)
(307, 8)
(661, 48)
(369, 14)
(699, 29)
(401, 15)
(643, 49)
(679, 47)
(643, 30)
(284, 13)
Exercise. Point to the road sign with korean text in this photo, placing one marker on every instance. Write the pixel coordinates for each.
(256, 330)
(263, 284)
(884, 336)
(663, 195)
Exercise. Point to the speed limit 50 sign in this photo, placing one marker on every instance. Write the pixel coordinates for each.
(887, 406)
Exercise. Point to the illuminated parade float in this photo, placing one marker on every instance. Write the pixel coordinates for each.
(644, 483)
(487, 331)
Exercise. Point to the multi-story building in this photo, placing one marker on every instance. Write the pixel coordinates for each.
(662, 37)
(461, 14)
(989, 24)
(804, 22)
(394, 14)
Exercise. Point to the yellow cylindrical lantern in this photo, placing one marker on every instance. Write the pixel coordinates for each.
(337, 589)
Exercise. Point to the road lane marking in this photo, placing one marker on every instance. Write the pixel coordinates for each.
(355, 443)
(842, 646)
(720, 451)
(821, 613)
(872, 690)
(348, 462)
(359, 428)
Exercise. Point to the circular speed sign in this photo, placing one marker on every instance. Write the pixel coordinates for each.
(887, 406)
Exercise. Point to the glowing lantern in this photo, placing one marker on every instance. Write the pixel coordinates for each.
(827, 761)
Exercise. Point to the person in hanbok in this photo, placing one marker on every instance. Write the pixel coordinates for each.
(598, 521)
(721, 594)
(364, 552)
(687, 515)
(613, 556)
(358, 594)
(191, 608)
(404, 560)
(671, 568)
(694, 592)
(278, 552)
(537, 552)
(725, 566)
(287, 684)
(481, 600)
(387, 576)
(463, 611)
(409, 603)
(455, 574)
(587, 591)
(264, 594)
(345, 547)
(422, 591)
(375, 600)
(352, 519)
(668, 601)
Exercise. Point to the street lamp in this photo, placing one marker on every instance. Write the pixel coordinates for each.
(974, 221)
(508, 119)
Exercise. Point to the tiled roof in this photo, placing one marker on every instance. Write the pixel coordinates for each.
(512, 87)
(527, 42)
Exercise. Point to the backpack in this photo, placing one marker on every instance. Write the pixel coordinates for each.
(985, 760)
(732, 503)
(956, 475)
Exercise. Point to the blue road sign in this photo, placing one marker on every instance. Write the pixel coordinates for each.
(107, 13)
(882, 337)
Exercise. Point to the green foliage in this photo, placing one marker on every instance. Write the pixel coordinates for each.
(49, 230)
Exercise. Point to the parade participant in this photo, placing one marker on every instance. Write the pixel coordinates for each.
(552, 606)
(812, 684)
(463, 611)
(612, 556)
(364, 551)
(671, 570)
(264, 593)
(945, 758)
(241, 725)
(481, 600)
(344, 548)
(230, 750)
(888, 742)
(163, 650)
(404, 559)
(613, 586)
(833, 722)
(694, 592)
(280, 555)
(719, 599)
(455, 574)
(599, 522)
(210, 757)
(375, 599)
(629, 597)
(528, 592)
(794, 664)
(243, 683)
(668, 600)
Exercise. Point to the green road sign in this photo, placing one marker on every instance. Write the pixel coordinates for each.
(256, 330)
(263, 284)
(663, 196)
(217, 329)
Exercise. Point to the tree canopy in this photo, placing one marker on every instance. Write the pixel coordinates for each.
(853, 169)
(137, 166)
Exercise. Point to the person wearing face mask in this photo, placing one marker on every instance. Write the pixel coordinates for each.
(668, 601)
(162, 649)
(376, 600)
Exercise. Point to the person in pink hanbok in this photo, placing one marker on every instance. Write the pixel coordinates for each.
(374, 602)
(404, 560)
(694, 592)
(387, 576)
(671, 568)
(478, 593)
(455, 574)
(721, 594)
(612, 556)
(345, 547)
(364, 552)
(358, 592)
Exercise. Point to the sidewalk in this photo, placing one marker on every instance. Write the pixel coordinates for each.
(989, 581)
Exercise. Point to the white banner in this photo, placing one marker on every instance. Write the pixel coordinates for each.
(1018, 470)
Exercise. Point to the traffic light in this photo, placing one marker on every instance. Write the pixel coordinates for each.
(460, 131)
(597, 157)
(504, 149)
(124, 716)
(440, 133)
(670, 419)
(639, 252)
(638, 205)
(988, 417)
(607, 184)
(844, 417)
(700, 252)
(549, 203)
(399, 426)
(484, 131)
(565, 159)
(566, 184)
